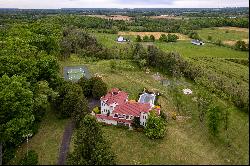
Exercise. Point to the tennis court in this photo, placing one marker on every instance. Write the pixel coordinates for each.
(74, 73)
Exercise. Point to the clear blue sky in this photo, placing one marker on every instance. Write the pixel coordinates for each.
(122, 3)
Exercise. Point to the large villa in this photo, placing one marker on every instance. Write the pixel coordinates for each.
(117, 110)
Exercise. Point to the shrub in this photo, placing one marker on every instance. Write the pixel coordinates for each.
(96, 110)
(112, 65)
(155, 126)
(209, 37)
(214, 120)
(241, 45)
(30, 159)
(163, 115)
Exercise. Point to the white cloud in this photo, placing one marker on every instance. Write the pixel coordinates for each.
(121, 3)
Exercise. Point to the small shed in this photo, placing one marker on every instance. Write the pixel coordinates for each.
(197, 42)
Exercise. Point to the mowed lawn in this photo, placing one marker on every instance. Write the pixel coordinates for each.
(224, 34)
(46, 142)
(186, 49)
(186, 142)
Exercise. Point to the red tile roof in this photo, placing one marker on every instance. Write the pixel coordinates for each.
(101, 116)
(115, 96)
(132, 108)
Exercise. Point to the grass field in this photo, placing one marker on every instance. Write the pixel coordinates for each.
(46, 142)
(186, 49)
(228, 35)
(186, 142)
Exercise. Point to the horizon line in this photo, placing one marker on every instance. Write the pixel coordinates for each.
(135, 8)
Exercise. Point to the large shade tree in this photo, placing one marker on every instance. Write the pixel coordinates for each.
(16, 111)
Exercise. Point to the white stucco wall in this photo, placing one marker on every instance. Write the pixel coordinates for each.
(143, 118)
(105, 108)
(107, 121)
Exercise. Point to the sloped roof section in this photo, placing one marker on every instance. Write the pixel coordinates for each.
(115, 96)
(132, 108)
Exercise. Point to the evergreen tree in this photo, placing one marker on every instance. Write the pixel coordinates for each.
(86, 86)
(91, 148)
(99, 89)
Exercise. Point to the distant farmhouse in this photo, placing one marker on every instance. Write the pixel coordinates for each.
(197, 42)
(117, 110)
(122, 39)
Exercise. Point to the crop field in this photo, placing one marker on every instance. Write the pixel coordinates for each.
(228, 35)
(155, 34)
(237, 71)
(186, 49)
(114, 17)
(166, 17)
(186, 142)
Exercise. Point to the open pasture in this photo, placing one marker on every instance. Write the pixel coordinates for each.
(186, 49)
(228, 35)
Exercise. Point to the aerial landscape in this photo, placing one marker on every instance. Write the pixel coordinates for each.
(121, 82)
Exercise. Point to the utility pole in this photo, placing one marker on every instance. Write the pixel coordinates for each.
(27, 140)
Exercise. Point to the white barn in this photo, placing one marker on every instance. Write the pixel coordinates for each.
(122, 39)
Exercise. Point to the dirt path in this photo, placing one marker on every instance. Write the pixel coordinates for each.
(68, 131)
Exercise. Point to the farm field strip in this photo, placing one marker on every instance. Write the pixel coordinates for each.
(155, 34)
(235, 29)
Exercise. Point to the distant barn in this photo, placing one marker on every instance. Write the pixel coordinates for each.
(197, 42)
(122, 39)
